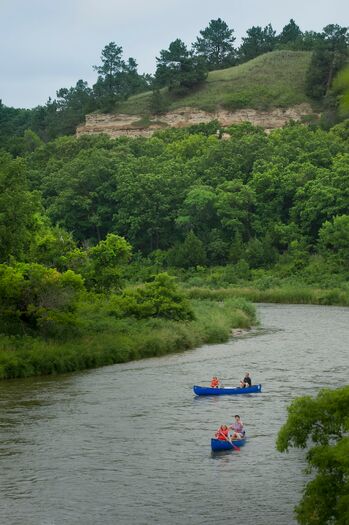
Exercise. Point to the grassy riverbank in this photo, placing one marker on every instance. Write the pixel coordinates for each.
(107, 340)
(288, 295)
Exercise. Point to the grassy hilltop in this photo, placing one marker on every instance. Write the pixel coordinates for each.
(276, 79)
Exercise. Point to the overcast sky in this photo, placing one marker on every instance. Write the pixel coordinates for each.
(49, 44)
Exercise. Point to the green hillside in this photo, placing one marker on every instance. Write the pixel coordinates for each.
(276, 79)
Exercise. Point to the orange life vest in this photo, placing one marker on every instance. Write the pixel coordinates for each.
(222, 434)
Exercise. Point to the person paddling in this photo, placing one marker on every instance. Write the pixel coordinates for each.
(238, 428)
(214, 382)
(223, 433)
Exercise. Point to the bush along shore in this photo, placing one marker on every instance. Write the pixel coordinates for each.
(107, 339)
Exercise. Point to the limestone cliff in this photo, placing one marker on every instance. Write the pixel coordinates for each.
(116, 125)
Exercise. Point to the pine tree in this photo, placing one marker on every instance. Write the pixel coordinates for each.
(216, 45)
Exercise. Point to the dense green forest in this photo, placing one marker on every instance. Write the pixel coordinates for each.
(183, 199)
(91, 214)
(114, 249)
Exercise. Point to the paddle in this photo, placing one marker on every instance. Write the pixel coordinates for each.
(233, 445)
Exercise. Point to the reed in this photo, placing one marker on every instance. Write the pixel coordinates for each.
(287, 295)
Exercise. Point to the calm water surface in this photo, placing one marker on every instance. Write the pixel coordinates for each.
(130, 444)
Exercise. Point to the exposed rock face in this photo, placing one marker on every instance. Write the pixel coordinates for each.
(116, 125)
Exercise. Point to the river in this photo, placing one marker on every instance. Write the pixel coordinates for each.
(130, 444)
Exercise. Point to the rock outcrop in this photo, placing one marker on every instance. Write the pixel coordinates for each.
(117, 125)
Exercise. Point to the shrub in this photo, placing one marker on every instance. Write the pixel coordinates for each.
(237, 101)
(160, 298)
(37, 298)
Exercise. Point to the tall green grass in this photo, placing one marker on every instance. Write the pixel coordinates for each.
(117, 341)
(291, 295)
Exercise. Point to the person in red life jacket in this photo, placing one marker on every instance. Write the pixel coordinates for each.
(214, 382)
(238, 428)
(222, 433)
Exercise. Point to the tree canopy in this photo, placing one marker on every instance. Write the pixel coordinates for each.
(177, 67)
(19, 209)
(259, 40)
(216, 45)
(290, 33)
(329, 56)
(117, 79)
(200, 200)
(321, 425)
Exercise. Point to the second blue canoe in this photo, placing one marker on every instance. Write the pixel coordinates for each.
(208, 391)
(218, 445)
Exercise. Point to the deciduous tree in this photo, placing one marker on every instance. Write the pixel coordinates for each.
(36, 298)
(18, 210)
(321, 425)
(159, 298)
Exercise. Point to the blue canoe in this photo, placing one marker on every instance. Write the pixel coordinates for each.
(218, 444)
(208, 391)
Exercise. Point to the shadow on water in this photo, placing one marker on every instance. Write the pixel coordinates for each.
(221, 454)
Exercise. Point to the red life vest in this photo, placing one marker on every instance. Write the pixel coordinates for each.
(214, 383)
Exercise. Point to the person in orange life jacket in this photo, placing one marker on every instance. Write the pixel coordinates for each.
(214, 382)
(222, 433)
(238, 428)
